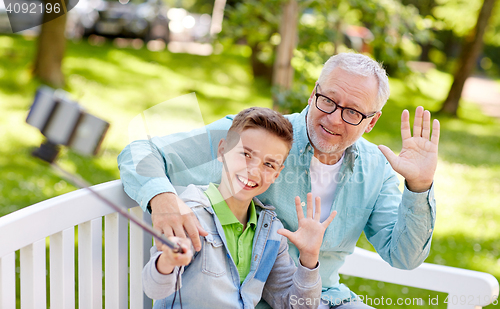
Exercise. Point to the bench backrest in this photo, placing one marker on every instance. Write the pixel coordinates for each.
(52, 253)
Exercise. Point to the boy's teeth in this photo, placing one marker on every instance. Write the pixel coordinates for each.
(247, 182)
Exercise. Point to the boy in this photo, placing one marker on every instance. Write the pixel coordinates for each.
(243, 257)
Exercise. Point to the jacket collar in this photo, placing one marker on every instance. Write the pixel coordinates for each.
(195, 196)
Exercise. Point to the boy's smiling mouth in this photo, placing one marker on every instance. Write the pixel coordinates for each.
(246, 182)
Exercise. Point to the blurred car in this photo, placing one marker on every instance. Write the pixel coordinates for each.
(82, 18)
(4, 19)
(29, 23)
(188, 27)
(145, 19)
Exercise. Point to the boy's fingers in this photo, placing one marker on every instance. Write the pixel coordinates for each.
(317, 208)
(286, 233)
(309, 205)
(330, 218)
(298, 208)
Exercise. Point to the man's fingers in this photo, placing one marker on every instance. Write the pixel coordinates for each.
(167, 231)
(435, 132)
(298, 208)
(417, 124)
(387, 152)
(329, 220)
(179, 231)
(426, 126)
(405, 125)
(193, 233)
(201, 230)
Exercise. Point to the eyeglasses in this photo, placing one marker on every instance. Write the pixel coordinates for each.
(349, 115)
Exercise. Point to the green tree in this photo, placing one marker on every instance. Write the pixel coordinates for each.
(256, 24)
(51, 46)
(466, 63)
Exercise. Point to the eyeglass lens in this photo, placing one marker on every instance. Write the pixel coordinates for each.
(348, 115)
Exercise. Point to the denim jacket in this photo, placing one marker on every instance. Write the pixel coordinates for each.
(211, 280)
(367, 198)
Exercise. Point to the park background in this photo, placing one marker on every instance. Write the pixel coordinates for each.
(423, 45)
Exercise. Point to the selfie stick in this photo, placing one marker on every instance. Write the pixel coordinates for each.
(80, 183)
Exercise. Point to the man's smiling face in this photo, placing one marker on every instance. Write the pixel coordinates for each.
(328, 133)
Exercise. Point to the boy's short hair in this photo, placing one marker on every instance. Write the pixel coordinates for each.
(261, 118)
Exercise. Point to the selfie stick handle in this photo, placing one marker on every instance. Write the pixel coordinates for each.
(146, 227)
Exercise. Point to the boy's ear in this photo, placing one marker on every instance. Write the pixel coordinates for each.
(278, 173)
(221, 149)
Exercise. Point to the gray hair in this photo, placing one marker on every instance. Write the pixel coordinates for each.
(359, 64)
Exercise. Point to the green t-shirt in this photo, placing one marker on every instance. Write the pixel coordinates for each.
(239, 241)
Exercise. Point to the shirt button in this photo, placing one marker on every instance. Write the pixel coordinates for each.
(303, 204)
(430, 230)
(307, 172)
(239, 228)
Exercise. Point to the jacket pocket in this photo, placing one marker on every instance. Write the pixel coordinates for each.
(214, 256)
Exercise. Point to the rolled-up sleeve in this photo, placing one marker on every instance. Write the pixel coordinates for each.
(150, 167)
(402, 234)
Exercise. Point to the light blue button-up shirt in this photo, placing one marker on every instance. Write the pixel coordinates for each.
(367, 197)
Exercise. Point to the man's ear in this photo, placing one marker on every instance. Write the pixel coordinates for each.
(373, 121)
(221, 149)
(311, 98)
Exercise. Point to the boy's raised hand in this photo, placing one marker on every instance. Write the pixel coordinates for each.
(309, 236)
(168, 259)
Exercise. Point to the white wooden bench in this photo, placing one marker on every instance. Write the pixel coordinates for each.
(72, 226)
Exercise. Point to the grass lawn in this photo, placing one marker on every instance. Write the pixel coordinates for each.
(118, 84)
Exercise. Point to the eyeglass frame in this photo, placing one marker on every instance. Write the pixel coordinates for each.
(341, 108)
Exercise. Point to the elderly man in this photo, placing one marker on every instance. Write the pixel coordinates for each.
(330, 159)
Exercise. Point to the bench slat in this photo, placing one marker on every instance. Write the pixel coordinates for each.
(116, 261)
(8, 281)
(62, 269)
(33, 276)
(90, 264)
(138, 239)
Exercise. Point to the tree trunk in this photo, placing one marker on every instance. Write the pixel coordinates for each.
(259, 68)
(283, 70)
(217, 17)
(51, 46)
(470, 51)
(339, 36)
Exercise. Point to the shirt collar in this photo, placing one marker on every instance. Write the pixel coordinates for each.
(300, 131)
(224, 214)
